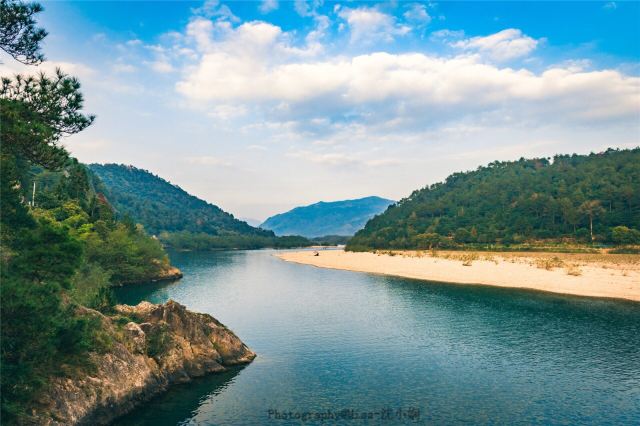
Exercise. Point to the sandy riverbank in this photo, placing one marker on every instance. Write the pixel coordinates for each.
(595, 275)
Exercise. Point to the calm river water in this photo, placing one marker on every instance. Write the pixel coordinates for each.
(348, 345)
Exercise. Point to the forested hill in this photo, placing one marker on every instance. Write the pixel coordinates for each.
(582, 198)
(161, 206)
(327, 218)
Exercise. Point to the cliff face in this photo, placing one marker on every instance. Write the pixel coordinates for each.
(151, 347)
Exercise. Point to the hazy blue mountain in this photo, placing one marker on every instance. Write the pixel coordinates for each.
(327, 218)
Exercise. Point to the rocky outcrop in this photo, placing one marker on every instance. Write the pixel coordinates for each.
(149, 347)
(168, 274)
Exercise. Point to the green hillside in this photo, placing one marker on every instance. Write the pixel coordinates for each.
(327, 218)
(161, 206)
(180, 219)
(570, 198)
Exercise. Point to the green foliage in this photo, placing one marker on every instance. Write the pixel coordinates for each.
(163, 207)
(623, 235)
(573, 198)
(127, 255)
(331, 240)
(91, 287)
(47, 253)
(36, 112)
(40, 331)
(289, 241)
(14, 216)
(158, 340)
(181, 220)
(201, 241)
(19, 36)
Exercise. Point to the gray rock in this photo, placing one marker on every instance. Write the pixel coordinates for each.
(166, 344)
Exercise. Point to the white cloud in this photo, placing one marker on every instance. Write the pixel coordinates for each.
(268, 6)
(502, 46)
(368, 25)
(257, 64)
(73, 69)
(213, 9)
(384, 162)
(612, 5)
(417, 13)
(88, 147)
(330, 159)
(447, 36)
(123, 68)
(339, 159)
(227, 112)
(205, 160)
(161, 66)
(307, 7)
(314, 37)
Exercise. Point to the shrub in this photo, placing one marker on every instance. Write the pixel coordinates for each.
(90, 287)
(623, 235)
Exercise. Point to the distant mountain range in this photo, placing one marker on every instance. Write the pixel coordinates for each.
(327, 218)
(163, 207)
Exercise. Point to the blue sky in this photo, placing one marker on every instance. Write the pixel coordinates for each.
(262, 106)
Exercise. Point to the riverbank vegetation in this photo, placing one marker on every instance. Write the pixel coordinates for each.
(62, 246)
(185, 240)
(568, 203)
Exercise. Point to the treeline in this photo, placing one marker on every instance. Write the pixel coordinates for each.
(61, 245)
(331, 240)
(582, 199)
(185, 240)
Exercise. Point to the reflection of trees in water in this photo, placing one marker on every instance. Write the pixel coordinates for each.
(189, 262)
(154, 292)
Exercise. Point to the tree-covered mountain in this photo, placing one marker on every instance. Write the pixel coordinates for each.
(583, 198)
(163, 207)
(178, 218)
(327, 218)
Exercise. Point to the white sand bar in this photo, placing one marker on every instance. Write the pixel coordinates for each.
(614, 276)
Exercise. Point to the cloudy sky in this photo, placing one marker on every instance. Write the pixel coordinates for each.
(261, 106)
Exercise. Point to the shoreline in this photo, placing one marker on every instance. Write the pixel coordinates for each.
(604, 276)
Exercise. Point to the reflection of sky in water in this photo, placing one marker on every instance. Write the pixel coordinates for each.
(330, 339)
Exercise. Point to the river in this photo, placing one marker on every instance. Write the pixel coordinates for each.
(348, 346)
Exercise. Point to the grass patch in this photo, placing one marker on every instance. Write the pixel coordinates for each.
(468, 258)
(158, 340)
(549, 263)
(573, 270)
